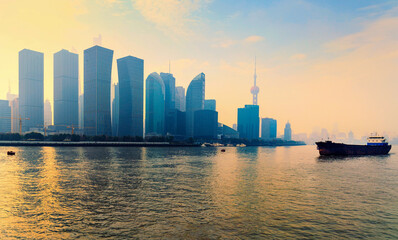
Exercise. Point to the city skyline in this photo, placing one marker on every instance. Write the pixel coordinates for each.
(291, 75)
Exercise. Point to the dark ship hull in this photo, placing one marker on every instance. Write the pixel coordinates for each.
(330, 148)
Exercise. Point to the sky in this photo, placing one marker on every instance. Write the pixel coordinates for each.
(320, 64)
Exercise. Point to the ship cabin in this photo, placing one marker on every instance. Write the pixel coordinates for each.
(377, 141)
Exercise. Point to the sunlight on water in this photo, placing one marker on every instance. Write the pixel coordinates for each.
(283, 192)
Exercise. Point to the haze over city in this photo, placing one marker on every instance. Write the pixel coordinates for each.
(319, 64)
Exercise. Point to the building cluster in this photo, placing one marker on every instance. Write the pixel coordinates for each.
(169, 110)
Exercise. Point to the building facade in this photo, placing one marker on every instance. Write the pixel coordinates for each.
(48, 114)
(115, 110)
(248, 122)
(97, 91)
(210, 104)
(194, 101)
(5, 113)
(205, 124)
(180, 98)
(131, 96)
(155, 104)
(170, 117)
(31, 98)
(268, 128)
(288, 132)
(15, 115)
(66, 89)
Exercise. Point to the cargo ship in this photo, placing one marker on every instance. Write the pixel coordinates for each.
(377, 145)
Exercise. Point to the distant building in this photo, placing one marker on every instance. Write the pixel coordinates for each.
(180, 98)
(268, 128)
(210, 104)
(235, 126)
(194, 101)
(169, 86)
(205, 124)
(155, 104)
(115, 110)
(227, 132)
(131, 96)
(288, 132)
(31, 98)
(180, 124)
(48, 114)
(248, 122)
(81, 111)
(97, 91)
(66, 89)
(5, 113)
(15, 115)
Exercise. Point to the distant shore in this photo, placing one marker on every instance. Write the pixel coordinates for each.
(125, 144)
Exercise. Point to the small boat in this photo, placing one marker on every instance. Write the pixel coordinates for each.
(10, 153)
(222, 150)
(377, 145)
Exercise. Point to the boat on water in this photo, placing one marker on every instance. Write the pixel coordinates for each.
(377, 145)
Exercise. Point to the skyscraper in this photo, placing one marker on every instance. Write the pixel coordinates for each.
(66, 88)
(48, 114)
(180, 99)
(268, 128)
(210, 104)
(5, 113)
(206, 124)
(248, 122)
(115, 110)
(97, 90)
(194, 101)
(155, 104)
(288, 132)
(15, 115)
(170, 115)
(31, 98)
(131, 96)
(81, 111)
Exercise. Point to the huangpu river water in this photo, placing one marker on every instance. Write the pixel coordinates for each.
(196, 193)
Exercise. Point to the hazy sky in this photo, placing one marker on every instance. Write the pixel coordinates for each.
(319, 63)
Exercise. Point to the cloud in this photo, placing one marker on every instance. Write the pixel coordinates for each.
(298, 57)
(171, 16)
(253, 39)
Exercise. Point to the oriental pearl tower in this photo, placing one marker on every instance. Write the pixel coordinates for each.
(254, 90)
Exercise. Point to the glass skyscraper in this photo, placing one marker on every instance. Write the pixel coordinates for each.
(31, 98)
(66, 88)
(210, 104)
(248, 122)
(288, 132)
(194, 101)
(170, 115)
(268, 128)
(97, 91)
(131, 96)
(206, 124)
(155, 104)
(180, 99)
(5, 113)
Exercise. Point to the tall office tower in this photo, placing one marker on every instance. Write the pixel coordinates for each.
(5, 113)
(180, 98)
(48, 114)
(10, 96)
(81, 111)
(210, 104)
(254, 90)
(131, 96)
(268, 128)
(97, 91)
(248, 122)
(15, 115)
(66, 88)
(115, 110)
(288, 132)
(195, 100)
(31, 98)
(170, 115)
(155, 104)
(206, 124)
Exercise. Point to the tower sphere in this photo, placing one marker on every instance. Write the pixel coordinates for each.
(254, 90)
